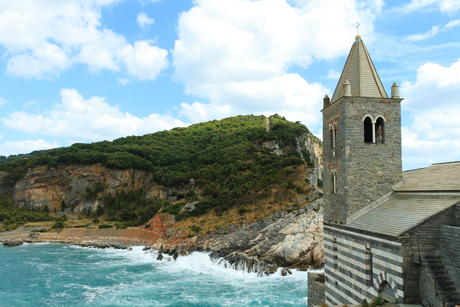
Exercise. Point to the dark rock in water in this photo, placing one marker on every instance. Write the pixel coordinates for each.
(146, 248)
(285, 271)
(13, 243)
(176, 255)
(160, 256)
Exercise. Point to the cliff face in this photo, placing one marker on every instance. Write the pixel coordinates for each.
(42, 186)
(284, 239)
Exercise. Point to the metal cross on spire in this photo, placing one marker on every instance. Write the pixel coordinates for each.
(357, 27)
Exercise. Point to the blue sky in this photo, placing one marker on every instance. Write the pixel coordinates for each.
(92, 70)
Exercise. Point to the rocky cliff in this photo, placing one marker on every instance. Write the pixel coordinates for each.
(287, 238)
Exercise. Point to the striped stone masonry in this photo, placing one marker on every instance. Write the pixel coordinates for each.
(364, 264)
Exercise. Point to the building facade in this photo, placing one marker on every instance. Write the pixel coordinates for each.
(381, 227)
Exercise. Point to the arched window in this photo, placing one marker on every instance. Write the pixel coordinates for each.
(379, 130)
(334, 182)
(333, 127)
(368, 130)
(369, 270)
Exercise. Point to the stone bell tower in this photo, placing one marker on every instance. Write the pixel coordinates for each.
(361, 139)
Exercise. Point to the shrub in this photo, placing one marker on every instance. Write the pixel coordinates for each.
(105, 226)
(242, 210)
(319, 183)
(379, 301)
(58, 225)
(63, 205)
(196, 229)
(364, 303)
(46, 209)
(96, 220)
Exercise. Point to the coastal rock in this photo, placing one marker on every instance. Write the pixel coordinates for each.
(12, 243)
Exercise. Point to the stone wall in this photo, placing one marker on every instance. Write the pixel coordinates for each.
(449, 250)
(316, 289)
(365, 171)
(428, 288)
(425, 238)
(350, 280)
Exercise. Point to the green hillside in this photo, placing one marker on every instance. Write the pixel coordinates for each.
(223, 157)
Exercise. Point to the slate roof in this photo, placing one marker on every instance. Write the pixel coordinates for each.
(436, 177)
(360, 72)
(423, 194)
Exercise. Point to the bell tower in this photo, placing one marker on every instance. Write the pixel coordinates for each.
(361, 139)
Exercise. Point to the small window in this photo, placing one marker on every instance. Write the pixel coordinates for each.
(369, 270)
(368, 130)
(333, 136)
(334, 183)
(379, 130)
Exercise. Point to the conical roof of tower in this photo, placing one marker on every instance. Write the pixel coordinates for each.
(360, 72)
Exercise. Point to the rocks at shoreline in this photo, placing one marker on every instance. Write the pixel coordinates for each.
(11, 243)
(294, 240)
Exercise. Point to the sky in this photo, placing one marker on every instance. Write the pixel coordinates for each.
(93, 70)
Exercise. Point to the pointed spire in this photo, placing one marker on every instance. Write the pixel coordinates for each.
(360, 71)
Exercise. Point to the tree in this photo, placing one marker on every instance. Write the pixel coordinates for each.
(63, 205)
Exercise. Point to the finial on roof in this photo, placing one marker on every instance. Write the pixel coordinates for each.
(395, 91)
(346, 88)
(326, 101)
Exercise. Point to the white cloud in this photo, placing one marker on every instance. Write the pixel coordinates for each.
(144, 21)
(452, 23)
(418, 37)
(87, 120)
(143, 61)
(3, 101)
(13, 148)
(433, 32)
(123, 81)
(434, 132)
(449, 6)
(288, 95)
(44, 38)
(237, 53)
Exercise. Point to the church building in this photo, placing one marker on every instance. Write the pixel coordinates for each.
(387, 233)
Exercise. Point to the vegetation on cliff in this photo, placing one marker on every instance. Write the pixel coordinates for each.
(12, 217)
(225, 159)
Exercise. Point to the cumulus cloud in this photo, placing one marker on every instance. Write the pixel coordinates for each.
(433, 134)
(10, 148)
(143, 61)
(237, 53)
(87, 120)
(144, 21)
(42, 39)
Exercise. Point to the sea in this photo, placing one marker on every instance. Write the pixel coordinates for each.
(64, 275)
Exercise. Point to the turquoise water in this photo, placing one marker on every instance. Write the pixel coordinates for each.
(63, 275)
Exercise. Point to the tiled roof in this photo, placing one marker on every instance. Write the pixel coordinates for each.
(403, 212)
(436, 177)
(360, 72)
(422, 194)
